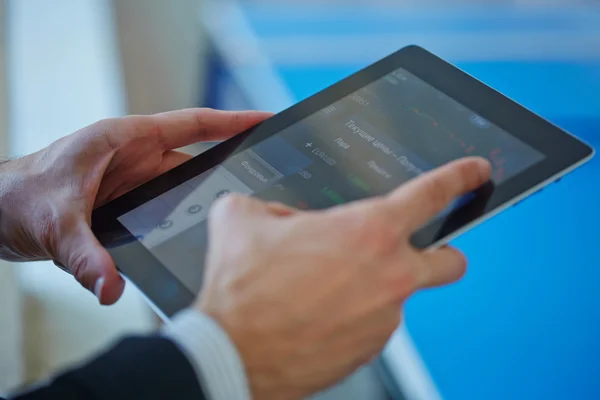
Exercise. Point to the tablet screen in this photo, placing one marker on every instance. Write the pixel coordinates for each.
(363, 145)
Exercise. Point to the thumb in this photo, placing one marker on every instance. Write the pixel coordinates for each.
(91, 265)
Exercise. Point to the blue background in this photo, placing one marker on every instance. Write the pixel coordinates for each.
(525, 321)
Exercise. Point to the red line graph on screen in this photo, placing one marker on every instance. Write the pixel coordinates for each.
(497, 163)
(495, 156)
(468, 148)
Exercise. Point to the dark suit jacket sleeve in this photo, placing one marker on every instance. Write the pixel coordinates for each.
(137, 368)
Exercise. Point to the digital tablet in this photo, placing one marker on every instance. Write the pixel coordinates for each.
(364, 136)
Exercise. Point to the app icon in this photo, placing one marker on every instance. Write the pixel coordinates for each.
(166, 224)
(195, 209)
(222, 193)
(479, 121)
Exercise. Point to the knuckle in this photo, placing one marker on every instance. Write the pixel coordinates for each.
(200, 119)
(106, 125)
(108, 122)
(436, 191)
(236, 119)
(372, 233)
(201, 113)
(466, 175)
(402, 274)
(102, 129)
(403, 282)
(77, 264)
(205, 110)
(49, 227)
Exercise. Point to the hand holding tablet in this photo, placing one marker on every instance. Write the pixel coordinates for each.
(47, 198)
(296, 290)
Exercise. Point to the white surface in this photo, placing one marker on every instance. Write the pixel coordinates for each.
(10, 300)
(11, 365)
(233, 37)
(526, 46)
(64, 74)
(162, 48)
(63, 69)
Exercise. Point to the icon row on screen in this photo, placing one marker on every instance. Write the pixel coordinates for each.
(192, 210)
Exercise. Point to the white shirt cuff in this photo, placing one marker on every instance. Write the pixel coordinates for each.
(213, 355)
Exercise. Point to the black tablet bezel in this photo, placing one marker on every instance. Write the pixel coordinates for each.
(562, 151)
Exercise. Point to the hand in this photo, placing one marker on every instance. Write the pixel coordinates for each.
(46, 199)
(308, 297)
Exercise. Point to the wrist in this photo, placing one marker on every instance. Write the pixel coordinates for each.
(267, 378)
(211, 352)
(14, 176)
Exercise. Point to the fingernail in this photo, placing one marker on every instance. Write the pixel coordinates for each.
(98, 288)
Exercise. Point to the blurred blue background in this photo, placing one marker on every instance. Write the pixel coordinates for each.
(525, 321)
